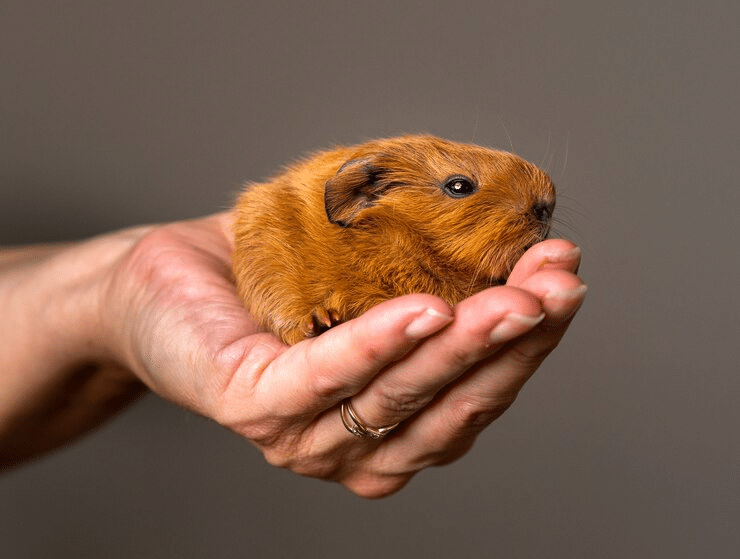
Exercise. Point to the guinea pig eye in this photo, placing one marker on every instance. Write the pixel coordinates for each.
(459, 187)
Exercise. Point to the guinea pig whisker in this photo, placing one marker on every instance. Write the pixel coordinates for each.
(550, 163)
(473, 279)
(560, 233)
(475, 126)
(565, 221)
(547, 152)
(565, 161)
(563, 196)
(489, 261)
(507, 135)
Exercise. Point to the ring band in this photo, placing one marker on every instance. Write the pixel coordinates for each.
(358, 428)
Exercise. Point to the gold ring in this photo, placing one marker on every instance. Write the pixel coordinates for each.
(358, 428)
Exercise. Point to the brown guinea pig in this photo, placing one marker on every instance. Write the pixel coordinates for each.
(350, 227)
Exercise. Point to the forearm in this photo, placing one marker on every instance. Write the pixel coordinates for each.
(57, 377)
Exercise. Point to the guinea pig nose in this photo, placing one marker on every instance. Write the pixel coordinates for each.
(542, 211)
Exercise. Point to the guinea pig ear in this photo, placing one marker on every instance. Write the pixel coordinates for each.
(356, 186)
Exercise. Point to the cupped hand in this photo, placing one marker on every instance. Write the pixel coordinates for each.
(172, 316)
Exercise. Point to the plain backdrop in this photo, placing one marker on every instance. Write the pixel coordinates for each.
(624, 444)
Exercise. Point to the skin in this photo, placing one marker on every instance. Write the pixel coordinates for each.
(91, 326)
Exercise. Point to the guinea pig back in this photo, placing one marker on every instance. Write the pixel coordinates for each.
(347, 228)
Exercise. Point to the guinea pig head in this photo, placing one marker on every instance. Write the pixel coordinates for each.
(475, 209)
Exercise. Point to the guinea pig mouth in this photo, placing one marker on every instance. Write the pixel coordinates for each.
(542, 234)
(544, 230)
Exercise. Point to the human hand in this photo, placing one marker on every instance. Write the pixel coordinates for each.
(172, 316)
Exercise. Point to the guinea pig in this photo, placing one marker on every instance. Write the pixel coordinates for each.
(348, 228)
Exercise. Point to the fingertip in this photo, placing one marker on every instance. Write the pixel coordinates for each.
(497, 302)
(559, 254)
(575, 293)
(561, 293)
(554, 283)
(413, 316)
(513, 325)
(426, 323)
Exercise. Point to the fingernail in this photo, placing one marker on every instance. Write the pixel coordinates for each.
(557, 259)
(427, 323)
(568, 294)
(513, 325)
(564, 256)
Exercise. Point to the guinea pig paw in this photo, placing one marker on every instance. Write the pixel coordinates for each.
(320, 320)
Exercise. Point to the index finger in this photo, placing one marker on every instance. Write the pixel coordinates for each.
(320, 372)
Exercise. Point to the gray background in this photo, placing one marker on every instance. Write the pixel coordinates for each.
(625, 444)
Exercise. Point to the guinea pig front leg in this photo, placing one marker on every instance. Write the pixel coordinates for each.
(337, 307)
(320, 320)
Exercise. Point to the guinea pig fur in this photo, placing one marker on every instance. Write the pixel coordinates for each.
(347, 228)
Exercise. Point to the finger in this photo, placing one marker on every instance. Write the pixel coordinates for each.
(549, 254)
(447, 427)
(482, 324)
(501, 379)
(318, 373)
(562, 294)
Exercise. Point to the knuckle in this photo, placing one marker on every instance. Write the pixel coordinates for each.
(399, 400)
(460, 357)
(453, 452)
(527, 356)
(244, 364)
(472, 415)
(326, 384)
(277, 457)
(322, 380)
(367, 352)
(262, 432)
(446, 449)
(375, 486)
(373, 351)
(298, 457)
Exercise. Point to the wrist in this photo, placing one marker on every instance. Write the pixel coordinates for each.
(59, 377)
(61, 295)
